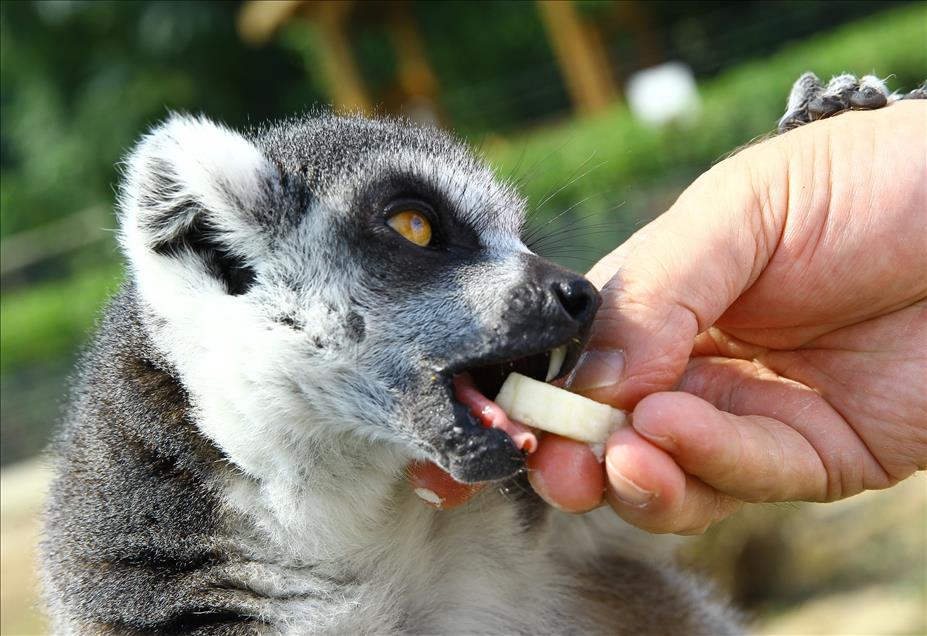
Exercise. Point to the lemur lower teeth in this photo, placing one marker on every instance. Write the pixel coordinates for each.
(556, 410)
(557, 355)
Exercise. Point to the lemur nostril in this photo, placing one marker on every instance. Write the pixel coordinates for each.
(578, 297)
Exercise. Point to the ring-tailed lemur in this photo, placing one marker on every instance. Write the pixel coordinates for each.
(298, 301)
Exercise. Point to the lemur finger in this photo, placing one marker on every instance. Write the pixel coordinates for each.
(809, 101)
(918, 93)
(834, 98)
(845, 92)
(872, 93)
(804, 90)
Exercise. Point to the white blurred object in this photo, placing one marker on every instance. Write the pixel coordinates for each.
(663, 93)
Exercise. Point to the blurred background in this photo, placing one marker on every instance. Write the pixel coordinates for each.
(603, 111)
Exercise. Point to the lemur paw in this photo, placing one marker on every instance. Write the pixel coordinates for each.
(810, 100)
(918, 93)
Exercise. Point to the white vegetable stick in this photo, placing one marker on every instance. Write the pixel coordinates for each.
(556, 410)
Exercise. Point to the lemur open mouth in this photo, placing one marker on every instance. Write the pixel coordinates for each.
(538, 329)
(475, 387)
(545, 366)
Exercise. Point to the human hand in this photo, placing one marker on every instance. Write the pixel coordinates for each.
(768, 333)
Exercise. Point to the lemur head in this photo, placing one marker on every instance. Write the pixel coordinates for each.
(326, 277)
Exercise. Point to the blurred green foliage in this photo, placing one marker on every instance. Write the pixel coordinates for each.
(81, 80)
(48, 320)
(737, 106)
(611, 151)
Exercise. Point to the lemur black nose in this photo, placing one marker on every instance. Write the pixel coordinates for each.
(578, 298)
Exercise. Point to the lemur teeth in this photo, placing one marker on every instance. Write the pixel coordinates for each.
(556, 410)
(557, 355)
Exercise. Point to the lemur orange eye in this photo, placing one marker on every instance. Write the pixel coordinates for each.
(412, 226)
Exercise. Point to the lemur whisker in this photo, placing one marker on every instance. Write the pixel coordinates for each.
(522, 180)
(534, 240)
(572, 224)
(571, 181)
(530, 236)
(517, 166)
(575, 171)
(577, 259)
(576, 243)
(584, 230)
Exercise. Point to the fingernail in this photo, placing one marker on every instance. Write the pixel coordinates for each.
(430, 497)
(540, 487)
(665, 442)
(626, 490)
(596, 369)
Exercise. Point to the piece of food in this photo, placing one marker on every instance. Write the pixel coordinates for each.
(491, 415)
(556, 410)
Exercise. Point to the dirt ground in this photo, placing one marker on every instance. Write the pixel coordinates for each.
(854, 567)
(22, 489)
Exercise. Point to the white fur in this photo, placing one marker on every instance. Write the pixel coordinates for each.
(210, 160)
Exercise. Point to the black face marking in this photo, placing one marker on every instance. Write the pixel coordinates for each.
(356, 327)
(403, 191)
(551, 307)
(425, 300)
(473, 454)
(289, 321)
(284, 201)
(199, 238)
(396, 267)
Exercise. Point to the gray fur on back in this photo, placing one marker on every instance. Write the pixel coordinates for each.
(131, 534)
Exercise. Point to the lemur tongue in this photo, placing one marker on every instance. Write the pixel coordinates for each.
(490, 414)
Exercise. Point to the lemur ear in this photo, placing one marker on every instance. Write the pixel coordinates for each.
(193, 185)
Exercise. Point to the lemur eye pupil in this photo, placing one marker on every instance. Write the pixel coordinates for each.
(412, 226)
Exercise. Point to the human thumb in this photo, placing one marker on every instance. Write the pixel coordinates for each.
(676, 276)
